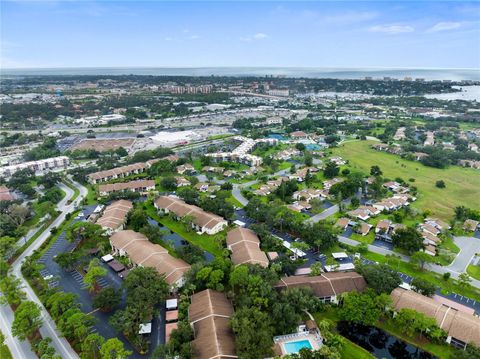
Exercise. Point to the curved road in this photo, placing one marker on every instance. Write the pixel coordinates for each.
(48, 329)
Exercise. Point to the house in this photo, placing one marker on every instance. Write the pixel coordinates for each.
(202, 221)
(420, 155)
(182, 182)
(329, 183)
(364, 212)
(342, 223)
(429, 229)
(5, 194)
(327, 286)
(141, 186)
(430, 239)
(209, 315)
(437, 223)
(364, 228)
(115, 215)
(287, 154)
(202, 186)
(470, 225)
(473, 147)
(431, 250)
(185, 169)
(116, 173)
(307, 194)
(212, 169)
(142, 252)
(39, 167)
(245, 247)
(299, 206)
(339, 161)
(462, 328)
(383, 226)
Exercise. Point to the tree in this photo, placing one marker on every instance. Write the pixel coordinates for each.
(114, 349)
(58, 303)
(95, 272)
(189, 195)
(91, 346)
(470, 352)
(464, 280)
(169, 183)
(77, 326)
(421, 259)
(409, 239)
(27, 320)
(363, 308)
(11, 288)
(137, 219)
(331, 170)
(423, 287)
(211, 278)
(300, 146)
(315, 269)
(107, 299)
(413, 322)
(253, 333)
(380, 277)
(375, 171)
(440, 184)
(145, 286)
(66, 260)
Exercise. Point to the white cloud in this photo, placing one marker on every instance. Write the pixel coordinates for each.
(392, 29)
(445, 26)
(194, 37)
(168, 38)
(260, 36)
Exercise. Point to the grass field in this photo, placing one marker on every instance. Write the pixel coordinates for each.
(462, 184)
(474, 271)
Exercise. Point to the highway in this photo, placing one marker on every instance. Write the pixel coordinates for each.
(48, 329)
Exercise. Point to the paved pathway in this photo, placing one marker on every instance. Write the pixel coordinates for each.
(325, 214)
(468, 247)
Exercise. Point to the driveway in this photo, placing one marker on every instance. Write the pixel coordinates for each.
(468, 247)
(325, 214)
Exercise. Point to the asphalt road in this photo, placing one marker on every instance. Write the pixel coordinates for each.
(48, 329)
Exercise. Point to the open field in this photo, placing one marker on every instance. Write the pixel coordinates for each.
(462, 184)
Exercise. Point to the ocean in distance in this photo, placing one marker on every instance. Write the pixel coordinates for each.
(307, 72)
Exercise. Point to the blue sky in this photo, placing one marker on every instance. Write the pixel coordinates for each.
(340, 34)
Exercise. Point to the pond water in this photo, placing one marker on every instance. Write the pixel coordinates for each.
(277, 136)
(381, 344)
(175, 240)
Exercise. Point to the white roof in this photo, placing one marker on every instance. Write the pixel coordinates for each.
(239, 223)
(339, 255)
(172, 303)
(340, 268)
(145, 328)
(107, 258)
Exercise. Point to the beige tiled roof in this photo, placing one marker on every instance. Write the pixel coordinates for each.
(115, 214)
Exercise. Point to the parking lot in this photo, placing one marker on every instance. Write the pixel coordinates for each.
(72, 282)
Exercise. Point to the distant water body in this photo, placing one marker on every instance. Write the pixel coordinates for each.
(307, 72)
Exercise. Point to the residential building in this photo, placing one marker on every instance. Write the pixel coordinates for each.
(115, 215)
(245, 247)
(115, 173)
(5, 194)
(39, 167)
(327, 286)
(142, 252)
(470, 225)
(462, 328)
(209, 315)
(141, 186)
(204, 222)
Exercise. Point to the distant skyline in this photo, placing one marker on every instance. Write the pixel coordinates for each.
(388, 34)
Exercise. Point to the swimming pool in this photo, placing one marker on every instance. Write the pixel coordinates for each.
(294, 347)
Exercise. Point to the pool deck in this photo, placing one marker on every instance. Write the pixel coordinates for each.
(314, 339)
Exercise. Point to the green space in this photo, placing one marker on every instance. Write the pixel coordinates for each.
(218, 137)
(91, 195)
(232, 200)
(462, 184)
(473, 271)
(206, 242)
(76, 191)
(447, 286)
(4, 351)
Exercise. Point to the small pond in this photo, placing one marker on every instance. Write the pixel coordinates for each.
(175, 240)
(381, 344)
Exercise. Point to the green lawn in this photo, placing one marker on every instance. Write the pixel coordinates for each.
(232, 200)
(447, 286)
(4, 352)
(474, 271)
(462, 184)
(76, 191)
(204, 241)
(91, 195)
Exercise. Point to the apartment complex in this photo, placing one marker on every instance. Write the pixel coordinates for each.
(40, 166)
(115, 216)
(203, 222)
(209, 315)
(142, 252)
(114, 173)
(245, 247)
(141, 186)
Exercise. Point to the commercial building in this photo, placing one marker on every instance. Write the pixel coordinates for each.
(39, 167)
(209, 315)
(115, 216)
(245, 247)
(142, 252)
(327, 286)
(141, 186)
(204, 222)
